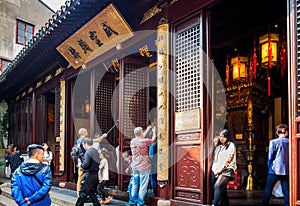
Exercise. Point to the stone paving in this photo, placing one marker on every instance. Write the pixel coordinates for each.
(66, 197)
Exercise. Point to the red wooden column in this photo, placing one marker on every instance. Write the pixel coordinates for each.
(294, 108)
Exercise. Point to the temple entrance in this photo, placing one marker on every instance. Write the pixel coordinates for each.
(243, 40)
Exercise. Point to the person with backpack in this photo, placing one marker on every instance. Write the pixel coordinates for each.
(31, 182)
(77, 154)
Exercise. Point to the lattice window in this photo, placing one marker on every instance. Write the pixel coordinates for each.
(188, 69)
(104, 109)
(298, 55)
(136, 102)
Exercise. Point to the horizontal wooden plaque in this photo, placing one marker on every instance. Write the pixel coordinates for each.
(187, 120)
(101, 33)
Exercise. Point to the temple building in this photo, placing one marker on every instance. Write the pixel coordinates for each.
(191, 68)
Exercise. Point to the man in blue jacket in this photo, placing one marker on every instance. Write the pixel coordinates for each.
(31, 182)
(278, 163)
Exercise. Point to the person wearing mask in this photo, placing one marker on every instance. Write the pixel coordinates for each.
(90, 167)
(141, 164)
(223, 167)
(31, 182)
(278, 164)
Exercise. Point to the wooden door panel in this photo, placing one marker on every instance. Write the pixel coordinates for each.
(188, 178)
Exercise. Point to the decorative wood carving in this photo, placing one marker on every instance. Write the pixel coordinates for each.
(188, 137)
(188, 166)
(188, 195)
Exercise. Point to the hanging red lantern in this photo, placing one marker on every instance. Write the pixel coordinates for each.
(269, 44)
(239, 69)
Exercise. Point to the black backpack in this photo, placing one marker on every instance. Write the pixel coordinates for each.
(77, 152)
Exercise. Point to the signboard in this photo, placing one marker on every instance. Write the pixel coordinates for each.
(100, 34)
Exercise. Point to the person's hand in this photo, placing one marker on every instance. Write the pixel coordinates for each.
(149, 127)
(27, 201)
(154, 129)
(127, 170)
(104, 135)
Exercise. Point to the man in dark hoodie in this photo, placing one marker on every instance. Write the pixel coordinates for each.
(31, 182)
(90, 166)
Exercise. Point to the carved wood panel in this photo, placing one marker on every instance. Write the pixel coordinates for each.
(188, 178)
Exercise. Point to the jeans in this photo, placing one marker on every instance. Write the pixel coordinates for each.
(131, 201)
(271, 181)
(140, 180)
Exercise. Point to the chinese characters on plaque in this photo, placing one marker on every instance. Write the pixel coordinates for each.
(101, 33)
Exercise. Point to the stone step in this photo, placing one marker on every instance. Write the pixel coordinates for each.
(59, 197)
(56, 198)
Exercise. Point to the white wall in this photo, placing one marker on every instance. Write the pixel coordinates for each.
(31, 11)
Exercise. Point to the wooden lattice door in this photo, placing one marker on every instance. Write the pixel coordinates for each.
(134, 106)
(188, 140)
(105, 116)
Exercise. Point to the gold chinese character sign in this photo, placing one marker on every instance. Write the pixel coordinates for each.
(103, 32)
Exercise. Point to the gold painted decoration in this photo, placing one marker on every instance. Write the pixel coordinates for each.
(62, 125)
(48, 78)
(103, 32)
(38, 84)
(57, 72)
(162, 43)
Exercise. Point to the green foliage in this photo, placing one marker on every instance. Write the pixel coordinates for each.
(4, 120)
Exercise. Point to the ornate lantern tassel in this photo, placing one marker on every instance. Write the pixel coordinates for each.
(283, 57)
(270, 64)
(254, 60)
(239, 68)
(270, 51)
(250, 72)
(239, 93)
(227, 73)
